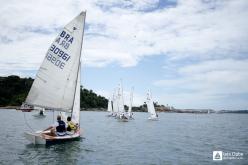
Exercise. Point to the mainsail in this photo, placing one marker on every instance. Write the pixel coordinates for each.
(131, 102)
(115, 103)
(150, 105)
(110, 109)
(120, 99)
(76, 107)
(56, 81)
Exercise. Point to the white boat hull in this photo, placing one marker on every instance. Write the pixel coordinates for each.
(40, 138)
(35, 138)
(122, 118)
(153, 118)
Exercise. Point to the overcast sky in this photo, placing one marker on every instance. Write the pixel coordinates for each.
(190, 53)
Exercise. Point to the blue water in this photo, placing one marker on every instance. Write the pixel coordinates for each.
(174, 139)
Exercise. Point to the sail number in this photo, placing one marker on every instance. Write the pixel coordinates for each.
(56, 56)
(55, 61)
(60, 53)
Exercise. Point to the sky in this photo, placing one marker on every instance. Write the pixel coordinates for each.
(189, 53)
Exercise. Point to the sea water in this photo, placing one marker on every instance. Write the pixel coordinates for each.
(174, 139)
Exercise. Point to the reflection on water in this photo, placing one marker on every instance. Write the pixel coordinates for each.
(174, 139)
(66, 153)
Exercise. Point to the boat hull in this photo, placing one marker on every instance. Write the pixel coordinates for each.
(26, 110)
(153, 118)
(130, 118)
(122, 120)
(109, 115)
(39, 138)
(39, 116)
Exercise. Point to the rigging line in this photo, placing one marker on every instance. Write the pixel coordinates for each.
(27, 122)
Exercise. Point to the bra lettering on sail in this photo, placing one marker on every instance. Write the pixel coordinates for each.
(67, 36)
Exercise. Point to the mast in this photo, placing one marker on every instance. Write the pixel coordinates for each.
(79, 66)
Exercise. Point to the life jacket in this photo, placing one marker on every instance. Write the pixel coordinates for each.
(61, 126)
(71, 126)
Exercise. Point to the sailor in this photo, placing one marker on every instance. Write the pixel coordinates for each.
(58, 129)
(71, 126)
(41, 112)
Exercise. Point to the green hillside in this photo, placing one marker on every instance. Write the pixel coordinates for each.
(14, 90)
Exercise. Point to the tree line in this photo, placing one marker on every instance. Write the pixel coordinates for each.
(14, 90)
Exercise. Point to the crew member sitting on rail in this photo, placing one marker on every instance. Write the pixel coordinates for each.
(58, 129)
(71, 126)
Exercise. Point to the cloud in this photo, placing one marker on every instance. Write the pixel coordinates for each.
(128, 31)
(140, 5)
(204, 41)
(208, 82)
(192, 29)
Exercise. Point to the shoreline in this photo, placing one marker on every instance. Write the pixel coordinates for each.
(158, 111)
(10, 107)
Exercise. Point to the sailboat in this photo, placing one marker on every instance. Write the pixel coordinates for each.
(110, 109)
(57, 83)
(130, 114)
(150, 107)
(25, 108)
(115, 104)
(121, 110)
(41, 113)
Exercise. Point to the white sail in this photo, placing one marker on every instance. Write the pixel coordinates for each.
(120, 99)
(110, 106)
(76, 107)
(130, 103)
(115, 103)
(150, 105)
(55, 82)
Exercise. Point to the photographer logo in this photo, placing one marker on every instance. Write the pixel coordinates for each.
(217, 155)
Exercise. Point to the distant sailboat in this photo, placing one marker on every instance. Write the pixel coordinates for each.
(26, 108)
(121, 110)
(57, 83)
(110, 108)
(115, 104)
(41, 113)
(130, 113)
(150, 107)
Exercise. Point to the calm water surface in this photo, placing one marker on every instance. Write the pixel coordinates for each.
(174, 139)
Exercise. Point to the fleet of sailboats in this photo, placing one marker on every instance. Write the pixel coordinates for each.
(57, 83)
(116, 106)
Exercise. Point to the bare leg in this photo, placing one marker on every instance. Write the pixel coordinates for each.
(51, 133)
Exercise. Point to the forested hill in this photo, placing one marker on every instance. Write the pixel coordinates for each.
(14, 90)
